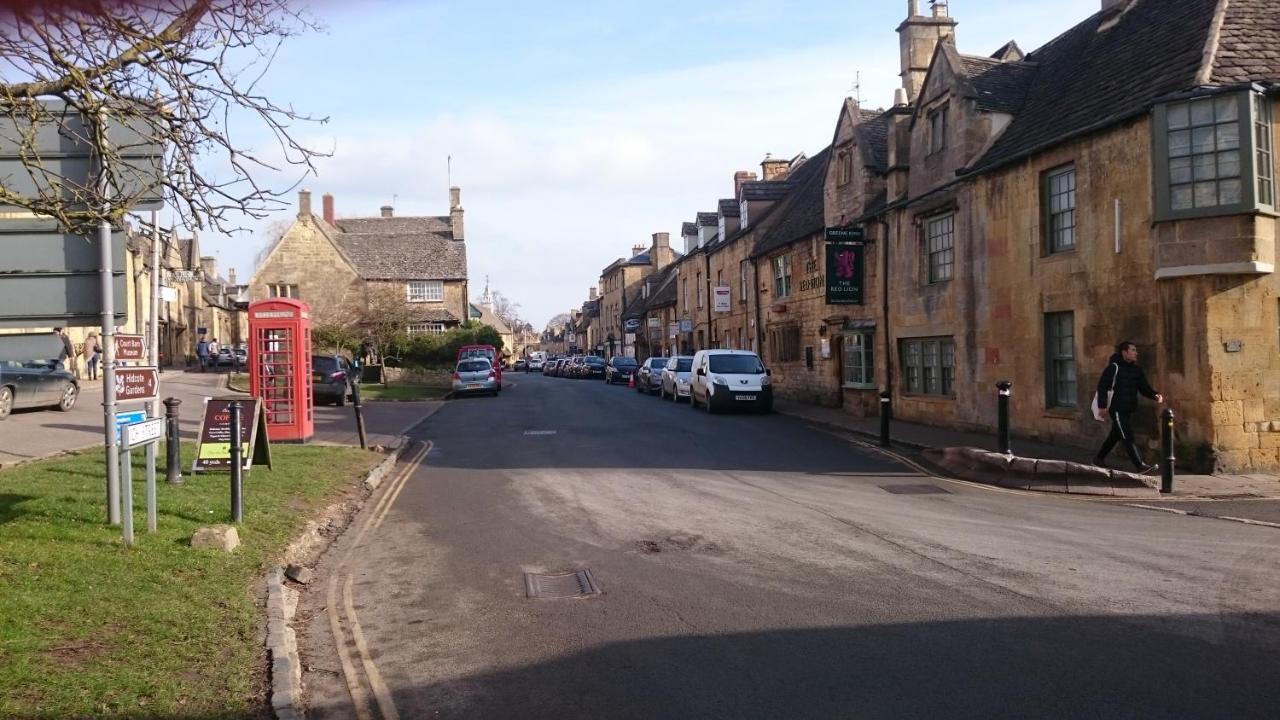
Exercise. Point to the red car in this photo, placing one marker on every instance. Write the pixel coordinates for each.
(488, 352)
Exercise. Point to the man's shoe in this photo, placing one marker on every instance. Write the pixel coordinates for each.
(1147, 469)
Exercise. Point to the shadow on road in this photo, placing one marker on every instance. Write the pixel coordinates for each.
(1107, 667)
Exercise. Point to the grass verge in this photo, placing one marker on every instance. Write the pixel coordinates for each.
(90, 628)
(238, 382)
(404, 392)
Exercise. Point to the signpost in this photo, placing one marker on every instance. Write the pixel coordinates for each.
(845, 273)
(133, 435)
(686, 325)
(132, 348)
(128, 418)
(846, 235)
(137, 384)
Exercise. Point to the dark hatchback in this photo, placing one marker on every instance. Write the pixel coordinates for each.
(592, 367)
(42, 383)
(331, 377)
(620, 369)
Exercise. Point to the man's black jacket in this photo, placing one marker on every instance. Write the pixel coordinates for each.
(1128, 383)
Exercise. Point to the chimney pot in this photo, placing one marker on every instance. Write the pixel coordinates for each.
(455, 198)
(327, 203)
(387, 211)
(900, 97)
(637, 249)
(740, 177)
(774, 168)
(231, 276)
(304, 204)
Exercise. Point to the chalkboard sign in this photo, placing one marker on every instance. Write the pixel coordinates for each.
(213, 444)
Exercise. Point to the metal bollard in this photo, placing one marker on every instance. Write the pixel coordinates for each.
(886, 413)
(355, 401)
(1166, 442)
(237, 500)
(1002, 422)
(173, 446)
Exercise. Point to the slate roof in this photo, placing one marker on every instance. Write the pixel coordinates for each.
(397, 225)
(766, 189)
(873, 137)
(662, 285)
(1248, 44)
(801, 213)
(730, 208)
(410, 256)
(431, 314)
(998, 86)
(708, 219)
(640, 259)
(688, 229)
(1085, 80)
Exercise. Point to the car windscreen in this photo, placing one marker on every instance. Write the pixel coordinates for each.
(325, 364)
(624, 362)
(473, 366)
(657, 363)
(595, 361)
(736, 364)
(684, 365)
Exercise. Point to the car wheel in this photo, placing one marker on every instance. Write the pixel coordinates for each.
(711, 410)
(693, 400)
(342, 399)
(6, 402)
(69, 396)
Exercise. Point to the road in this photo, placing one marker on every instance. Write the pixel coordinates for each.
(750, 566)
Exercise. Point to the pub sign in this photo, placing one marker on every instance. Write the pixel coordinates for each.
(846, 270)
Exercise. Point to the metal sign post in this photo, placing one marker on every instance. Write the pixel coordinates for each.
(146, 433)
(109, 384)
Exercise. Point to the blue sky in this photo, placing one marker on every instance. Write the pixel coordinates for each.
(579, 129)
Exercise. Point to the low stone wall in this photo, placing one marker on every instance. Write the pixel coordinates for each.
(992, 468)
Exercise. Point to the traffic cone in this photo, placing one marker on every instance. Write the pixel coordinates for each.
(631, 382)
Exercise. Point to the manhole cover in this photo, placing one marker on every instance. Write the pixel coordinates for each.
(914, 490)
(560, 585)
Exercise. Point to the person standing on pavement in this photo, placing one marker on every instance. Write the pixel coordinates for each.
(1118, 389)
(67, 350)
(93, 354)
(202, 353)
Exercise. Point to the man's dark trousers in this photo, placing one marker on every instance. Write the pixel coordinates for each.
(1121, 432)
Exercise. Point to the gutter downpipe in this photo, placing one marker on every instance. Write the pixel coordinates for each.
(755, 278)
(884, 302)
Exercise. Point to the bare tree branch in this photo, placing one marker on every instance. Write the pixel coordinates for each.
(128, 79)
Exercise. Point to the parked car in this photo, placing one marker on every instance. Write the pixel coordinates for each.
(475, 375)
(535, 363)
(549, 367)
(488, 352)
(727, 379)
(521, 365)
(331, 378)
(228, 356)
(620, 369)
(674, 382)
(592, 367)
(649, 375)
(570, 368)
(41, 383)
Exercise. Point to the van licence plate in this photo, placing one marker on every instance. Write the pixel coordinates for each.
(744, 397)
(474, 386)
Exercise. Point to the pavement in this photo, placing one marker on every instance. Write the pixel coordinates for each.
(748, 566)
(917, 436)
(38, 433)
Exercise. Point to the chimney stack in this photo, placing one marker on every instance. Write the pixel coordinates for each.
(591, 293)
(304, 205)
(774, 168)
(231, 276)
(209, 267)
(637, 249)
(662, 255)
(327, 204)
(388, 211)
(918, 37)
(740, 177)
(455, 213)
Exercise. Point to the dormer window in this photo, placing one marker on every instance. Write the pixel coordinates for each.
(937, 129)
(1213, 155)
(742, 213)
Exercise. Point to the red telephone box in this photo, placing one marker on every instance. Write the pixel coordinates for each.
(280, 366)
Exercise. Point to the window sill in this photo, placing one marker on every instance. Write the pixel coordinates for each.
(1059, 254)
(860, 386)
(1062, 413)
(927, 396)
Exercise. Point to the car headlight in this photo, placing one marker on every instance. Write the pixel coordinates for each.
(718, 380)
(766, 380)
(681, 381)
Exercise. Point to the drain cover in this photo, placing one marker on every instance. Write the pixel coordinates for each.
(561, 585)
(914, 490)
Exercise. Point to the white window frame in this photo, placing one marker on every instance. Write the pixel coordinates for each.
(858, 358)
(940, 247)
(429, 328)
(782, 276)
(420, 291)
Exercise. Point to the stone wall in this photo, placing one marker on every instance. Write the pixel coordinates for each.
(306, 258)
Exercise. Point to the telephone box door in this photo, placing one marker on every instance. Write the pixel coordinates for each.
(280, 367)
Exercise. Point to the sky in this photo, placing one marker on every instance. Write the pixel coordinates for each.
(577, 130)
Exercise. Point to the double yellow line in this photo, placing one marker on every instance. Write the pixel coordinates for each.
(359, 696)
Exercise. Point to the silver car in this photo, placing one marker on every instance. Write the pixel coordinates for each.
(649, 376)
(474, 375)
(675, 378)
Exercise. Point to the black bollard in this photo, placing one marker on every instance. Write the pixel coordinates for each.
(237, 500)
(355, 401)
(1166, 442)
(886, 413)
(1002, 409)
(173, 447)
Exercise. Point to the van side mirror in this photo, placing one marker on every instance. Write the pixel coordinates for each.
(702, 372)
(768, 372)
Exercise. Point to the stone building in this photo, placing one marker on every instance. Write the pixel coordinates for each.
(1117, 183)
(343, 266)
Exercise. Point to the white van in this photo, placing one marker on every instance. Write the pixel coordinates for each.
(725, 379)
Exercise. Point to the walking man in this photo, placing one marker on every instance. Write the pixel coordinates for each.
(202, 353)
(67, 351)
(1118, 391)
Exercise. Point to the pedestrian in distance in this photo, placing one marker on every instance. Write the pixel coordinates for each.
(1117, 399)
(202, 353)
(67, 350)
(93, 353)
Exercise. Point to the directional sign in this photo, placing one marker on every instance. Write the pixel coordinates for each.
(128, 417)
(50, 279)
(135, 384)
(130, 347)
(147, 431)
